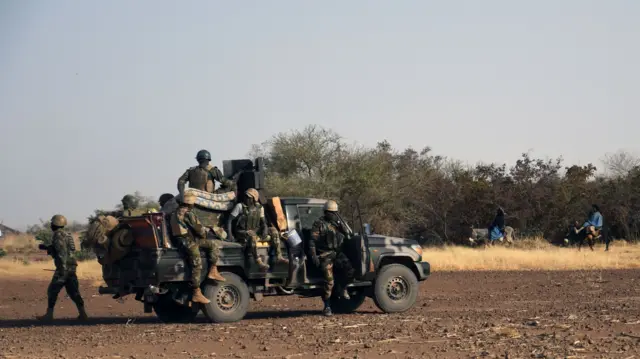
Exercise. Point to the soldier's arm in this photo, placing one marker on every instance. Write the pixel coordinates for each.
(263, 223)
(61, 253)
(217, 175)
(234, 213)
(192, 221)
(182, 181)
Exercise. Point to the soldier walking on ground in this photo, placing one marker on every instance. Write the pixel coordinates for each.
(203, 176)
(249, 219)
(328, 234)
(192, 236)
(62, 250)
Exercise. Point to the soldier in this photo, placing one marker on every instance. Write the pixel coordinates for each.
(250, 221)
(129, 208)
(202, 177)
(191, 234)
(62, 250)
(327, 236)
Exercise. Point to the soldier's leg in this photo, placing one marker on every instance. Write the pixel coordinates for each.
(193, 254)
(253, 249)
(73, 290)
(53, 290)
(346, 274)
(326, 264)
(212, 252)
(274, 243)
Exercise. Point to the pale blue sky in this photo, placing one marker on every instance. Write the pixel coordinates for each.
(101, 98)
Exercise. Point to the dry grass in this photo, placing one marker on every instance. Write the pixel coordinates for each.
(43, 270)
(533, 254)
(26, 243)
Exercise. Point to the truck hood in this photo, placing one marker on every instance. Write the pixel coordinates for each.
(393, 246)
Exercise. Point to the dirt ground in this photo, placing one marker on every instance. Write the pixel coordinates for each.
(580, 314)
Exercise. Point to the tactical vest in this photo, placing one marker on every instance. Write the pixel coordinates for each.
(249, 219)
(71, 249)
(200, 178)
(179, 228)
(135, 212)
(330, 237)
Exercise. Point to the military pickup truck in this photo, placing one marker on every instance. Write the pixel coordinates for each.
(387, 269)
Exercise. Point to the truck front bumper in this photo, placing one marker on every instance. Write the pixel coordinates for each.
(424, 269)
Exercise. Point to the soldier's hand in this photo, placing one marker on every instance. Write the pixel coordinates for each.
(316, 261)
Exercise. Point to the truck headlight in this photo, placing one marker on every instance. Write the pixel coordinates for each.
(418, 249)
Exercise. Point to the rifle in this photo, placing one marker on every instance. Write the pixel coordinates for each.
(44, 247)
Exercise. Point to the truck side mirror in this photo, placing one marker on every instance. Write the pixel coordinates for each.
(367, 229)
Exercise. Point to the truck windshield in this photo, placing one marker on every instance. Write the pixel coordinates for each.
(309, 214)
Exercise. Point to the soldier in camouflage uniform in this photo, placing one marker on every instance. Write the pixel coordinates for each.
(129, 208)
(202, 177)
(62, 250)
(327, 236)
(192, 236)
(250, 220)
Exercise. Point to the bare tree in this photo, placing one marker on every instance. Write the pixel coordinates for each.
(620, 163)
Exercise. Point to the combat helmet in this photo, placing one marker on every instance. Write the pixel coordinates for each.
(203, 155)
(129, 201)
(164, 198)
(331, 206)
(253, 193)
(58, 220)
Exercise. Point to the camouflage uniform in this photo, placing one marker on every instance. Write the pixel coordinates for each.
(250, 221)
(129, 208)
(325, 247)
(274, 244)
(325, 240)
(191, 234)
(203, 176)
(62, 250)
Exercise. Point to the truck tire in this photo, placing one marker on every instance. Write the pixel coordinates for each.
(169, 311)
(229, 299)
(395, 288)
(340, 305)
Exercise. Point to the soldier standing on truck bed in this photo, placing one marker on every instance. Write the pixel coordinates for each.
(328, 234)
(203, 175)
(62, 249)
(250, 221)
(192, 236)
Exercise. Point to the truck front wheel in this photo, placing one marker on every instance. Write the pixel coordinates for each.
(229, 299)
(395, 288)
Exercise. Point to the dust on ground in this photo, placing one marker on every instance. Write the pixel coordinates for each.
(577, 314)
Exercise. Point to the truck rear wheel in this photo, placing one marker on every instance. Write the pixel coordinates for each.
(340, 305)
(229, 299)
(169, 311)
(395, 289)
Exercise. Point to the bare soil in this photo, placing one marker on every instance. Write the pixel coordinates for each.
(577, 314)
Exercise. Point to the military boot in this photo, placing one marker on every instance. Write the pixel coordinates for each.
(47, 317)
(263, 266)
(215, 275)
(82, 314)
(327, 309)
(198, 297)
